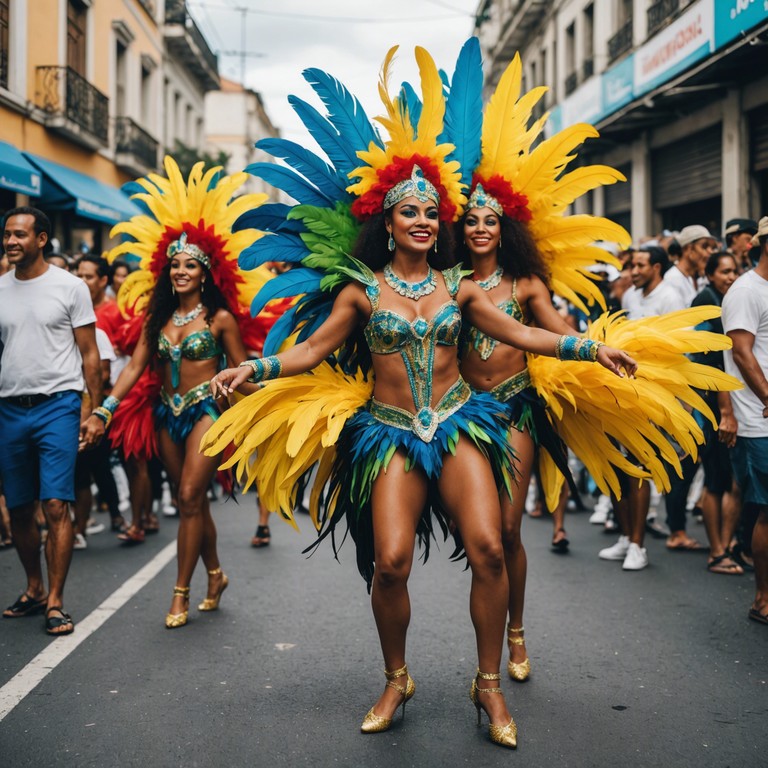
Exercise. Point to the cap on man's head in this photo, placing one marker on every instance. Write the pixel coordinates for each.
(734, 226)
(762, 230)
(692, 233)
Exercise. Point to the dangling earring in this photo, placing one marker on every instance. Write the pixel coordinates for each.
(435, 246)
(173, 289)
(499, 242)
(391, 242)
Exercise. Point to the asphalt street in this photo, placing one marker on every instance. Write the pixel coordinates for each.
(654, 668)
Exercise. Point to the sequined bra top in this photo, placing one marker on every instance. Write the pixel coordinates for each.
(484, 345)
(200, 345)
(388, 332)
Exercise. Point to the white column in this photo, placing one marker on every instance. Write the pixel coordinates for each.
(735, 158)
(642, 212)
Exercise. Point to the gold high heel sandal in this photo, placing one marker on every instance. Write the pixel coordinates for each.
(173, 620)
(373, 723)
(503, 735)
(519, 672)
(212, 603)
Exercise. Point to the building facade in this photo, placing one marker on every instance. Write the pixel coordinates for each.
(677, 88)
(235, 119)
(92, 93)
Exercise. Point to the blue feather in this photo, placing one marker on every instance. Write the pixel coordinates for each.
(279, 332)
(345, 111)
(309, 165)
(412, 102)
(282, 247)
(291, 283)
(341, 153)
(464, 110)
(271, 217)
(291, 183)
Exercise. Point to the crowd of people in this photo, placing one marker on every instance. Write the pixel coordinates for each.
(442, 427)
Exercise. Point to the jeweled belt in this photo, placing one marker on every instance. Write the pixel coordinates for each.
(179, 403)
(512, 386)
(425, 422)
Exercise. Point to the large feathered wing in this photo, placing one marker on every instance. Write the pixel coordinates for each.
(593, 410)
(284, 429)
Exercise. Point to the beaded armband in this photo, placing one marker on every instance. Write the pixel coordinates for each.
(575, 348)
(264, 368)
(110, 403)
(102, 413)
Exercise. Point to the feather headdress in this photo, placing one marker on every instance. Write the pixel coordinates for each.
(203, 209)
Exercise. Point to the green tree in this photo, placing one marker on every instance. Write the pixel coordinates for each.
(186, 157)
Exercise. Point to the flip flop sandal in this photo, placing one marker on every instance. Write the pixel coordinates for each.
(52, 623)
(717, 565)
(685, 545)
(262, 537)
(131, 536)
(23, 607)
(760, 618)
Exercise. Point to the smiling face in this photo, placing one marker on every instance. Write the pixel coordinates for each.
(724, 275)
(20, 243)
(482, 231)
(187, 274)
(413, 225)
(644, 274)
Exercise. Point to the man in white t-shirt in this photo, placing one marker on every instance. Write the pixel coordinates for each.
(745, 320)
(697, 246)
(650, 295)
(47, 327)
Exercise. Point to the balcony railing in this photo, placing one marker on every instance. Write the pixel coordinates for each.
(621, 42)
(131, 139)
(587, 68)
(71, 99)
(196, 47)
(661, 12)
(571, 82)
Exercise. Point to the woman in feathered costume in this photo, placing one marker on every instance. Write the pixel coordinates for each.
(190, 279)
(422, 433)
(521, 245)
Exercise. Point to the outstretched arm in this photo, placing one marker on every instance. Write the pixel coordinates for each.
(478, 308)
(308, 354)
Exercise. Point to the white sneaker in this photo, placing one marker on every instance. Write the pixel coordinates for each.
(617, 552)
(80, 542)
(94, 527)
(636, 559)
(601, 510)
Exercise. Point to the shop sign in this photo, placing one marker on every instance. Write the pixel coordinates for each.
(732, 17)
(684, 42)
(618, 85)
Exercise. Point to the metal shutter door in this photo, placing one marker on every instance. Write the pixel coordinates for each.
(688, 170)
(618, 196)
(758, 123)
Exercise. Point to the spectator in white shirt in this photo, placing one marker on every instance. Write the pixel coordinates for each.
(651, 294)
(697, 245)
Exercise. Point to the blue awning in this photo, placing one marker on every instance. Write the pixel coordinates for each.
(16, 173)
(66, 189)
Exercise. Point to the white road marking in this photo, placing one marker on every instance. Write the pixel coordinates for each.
(26, 680)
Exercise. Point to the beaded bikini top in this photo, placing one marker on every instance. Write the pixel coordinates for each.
(200, 345)
(480, 342)
(388, 332)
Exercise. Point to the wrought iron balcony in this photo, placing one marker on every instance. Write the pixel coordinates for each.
(660, 13)
(621, 42)
(571, 82)
(587, 68)
(185, 41)
(135, 149)
(74, 106)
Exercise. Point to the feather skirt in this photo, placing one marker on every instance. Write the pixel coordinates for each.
(365, 448)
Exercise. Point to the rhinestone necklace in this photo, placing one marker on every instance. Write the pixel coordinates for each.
(492, 280)
(410, 290)
(180, 320)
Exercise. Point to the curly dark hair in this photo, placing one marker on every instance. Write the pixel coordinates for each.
(164, 303)
(371, 245)
(518, 255)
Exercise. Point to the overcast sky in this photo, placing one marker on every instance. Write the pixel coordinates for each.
(347, 39)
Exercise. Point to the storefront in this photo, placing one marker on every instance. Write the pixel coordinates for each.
(758, 143)
(17, 177)
(82, 209)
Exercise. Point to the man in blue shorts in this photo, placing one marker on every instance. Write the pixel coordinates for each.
(47, 328)
(745, 320)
